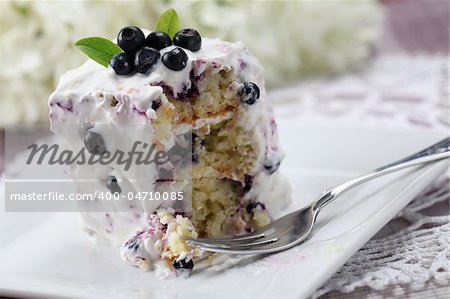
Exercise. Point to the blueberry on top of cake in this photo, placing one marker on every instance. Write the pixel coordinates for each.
(158, 82)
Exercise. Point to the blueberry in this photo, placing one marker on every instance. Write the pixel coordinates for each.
(130, 39)
(189, 39)
(195, 155)
(122, 63)
(134, 246)
(249, 93)
(183, 264)
(179, 155)
(145, 59)
(175, 59)
(156, 104)
(253, 205)
(94, 143)
(271, 167)
(195, 158)
(192, 136)
(158, 40)
(112, 185)
(133, 243)
(181, 213)
(165, 175)
(248, 182)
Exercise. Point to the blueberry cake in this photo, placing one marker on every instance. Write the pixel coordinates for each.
(151, 91)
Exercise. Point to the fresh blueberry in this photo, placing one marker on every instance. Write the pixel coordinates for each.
(181, 213)
(189, 39)
(158, 40)
(122, 63)
(192, 136)
(112, 185)
(183, 264)
(134, 246)
(145, 59)
(133, 243)
(253, 205)
(130, 39)
(195, 158)
(179, 155)
(165, 175)
(249, 93)
(175, 59)
(195, 155)
(94, 143)
(271, 167)
(156, 104)
(248, 182)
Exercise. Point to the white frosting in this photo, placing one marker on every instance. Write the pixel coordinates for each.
(84, 97)
(199, 123)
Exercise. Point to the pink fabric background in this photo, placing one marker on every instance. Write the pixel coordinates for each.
(416, 26)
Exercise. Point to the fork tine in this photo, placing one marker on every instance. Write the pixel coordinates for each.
(244, 237)
(210, 244)
(226, 250)
(265, 232)
(229, 240)
(236, 250)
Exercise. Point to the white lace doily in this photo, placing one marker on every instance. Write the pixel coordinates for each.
(413, 250)
(407, 259)
(395, 91)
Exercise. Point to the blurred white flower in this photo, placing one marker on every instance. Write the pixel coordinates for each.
(291, 39)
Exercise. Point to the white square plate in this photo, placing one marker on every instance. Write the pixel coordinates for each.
(47, 255)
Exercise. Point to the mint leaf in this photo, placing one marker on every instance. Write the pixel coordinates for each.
(98, 49)
(168, 22)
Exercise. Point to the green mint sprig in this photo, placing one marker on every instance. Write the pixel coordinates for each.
(101, 50)
(98, 49)
(168, 22)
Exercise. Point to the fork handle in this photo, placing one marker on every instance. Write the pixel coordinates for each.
(438, 151)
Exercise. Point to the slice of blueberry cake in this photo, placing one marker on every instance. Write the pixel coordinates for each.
(200, 96)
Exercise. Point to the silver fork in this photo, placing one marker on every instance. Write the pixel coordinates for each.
(296, 227)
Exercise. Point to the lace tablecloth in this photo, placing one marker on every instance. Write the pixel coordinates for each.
(410, 256)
